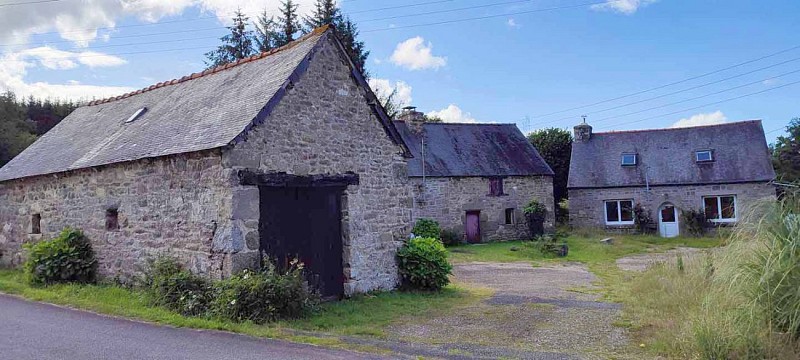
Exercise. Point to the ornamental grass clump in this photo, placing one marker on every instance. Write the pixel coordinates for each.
(64, 259)
(423, 264)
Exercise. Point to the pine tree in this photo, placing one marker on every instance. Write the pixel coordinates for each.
(288, 23)
(236, 45)
(265, 33)
(325, 12)
(348, 33)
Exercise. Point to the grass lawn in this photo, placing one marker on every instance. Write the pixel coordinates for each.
(585, 248)
(365, 314)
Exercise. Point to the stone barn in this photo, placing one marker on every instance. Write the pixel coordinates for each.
(284, 155)
(475, 179)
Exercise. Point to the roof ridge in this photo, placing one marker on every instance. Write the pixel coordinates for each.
(681, 128)
(463, 123)
(192, 76)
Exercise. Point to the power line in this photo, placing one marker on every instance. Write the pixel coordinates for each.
(28, 2)
(400, 6)
(704, 105)
(136, 35)
(447, 10)
(678, 92)
(695, 98)
(489, 16)
(673, 83)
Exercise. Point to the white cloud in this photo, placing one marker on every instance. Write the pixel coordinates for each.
(626, 7)
(513, 23)
(383, 88)
(82, 24)
(96, 59)
(16, 65)
(453, 114)
(714, 118)
(415, 54)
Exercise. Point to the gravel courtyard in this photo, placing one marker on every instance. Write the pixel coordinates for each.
(545, 312)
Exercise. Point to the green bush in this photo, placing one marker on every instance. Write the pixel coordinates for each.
(535, 213)
(450, 237)
(264, 296)
(426, 228)
(178, 289)
(695, 221)
(67, 258)
(644, 219)
(423, 264)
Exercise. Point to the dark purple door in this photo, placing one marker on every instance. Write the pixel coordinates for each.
(473, 227)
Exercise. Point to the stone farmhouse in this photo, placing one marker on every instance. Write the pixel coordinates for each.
(721, 170)
(286, 154)
(475, 179)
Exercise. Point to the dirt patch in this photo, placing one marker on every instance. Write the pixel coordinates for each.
(642, 262)
(532, 310)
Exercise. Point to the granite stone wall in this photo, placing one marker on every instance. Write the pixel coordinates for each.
(325, 126)
(447, 201)
(193, 207)
(586, 206)
(172, 206)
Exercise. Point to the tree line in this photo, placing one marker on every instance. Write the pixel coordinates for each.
(269, 32)
(22, 121)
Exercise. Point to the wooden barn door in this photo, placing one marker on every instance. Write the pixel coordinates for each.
(304, 223)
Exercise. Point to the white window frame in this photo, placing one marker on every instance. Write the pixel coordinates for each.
(619, 212)
(719, 208)
(697, 156)
(635, 159)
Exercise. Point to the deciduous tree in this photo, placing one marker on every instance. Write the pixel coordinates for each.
(555, 146)
(786, 153)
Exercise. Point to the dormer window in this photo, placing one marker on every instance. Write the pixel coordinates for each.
(630, 159)
(704, 156)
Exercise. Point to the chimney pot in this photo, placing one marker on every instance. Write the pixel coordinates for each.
(412, 117)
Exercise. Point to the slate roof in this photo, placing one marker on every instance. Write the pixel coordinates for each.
(201, 111)
(461, 150)
(667, 157)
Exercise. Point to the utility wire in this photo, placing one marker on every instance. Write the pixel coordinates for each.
(673, 83)
(695, 98)
(704, 105)
(28, 2)
(446, 11)
(677, 92)
(489, 17)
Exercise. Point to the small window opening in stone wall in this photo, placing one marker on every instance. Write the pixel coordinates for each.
(496, 187)
(510, 216)
(112, 219)
(36, 224)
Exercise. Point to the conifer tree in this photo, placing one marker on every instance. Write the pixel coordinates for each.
(328, 12)
(265, 33)
(288, 24)
(325, 12)
(236, 45)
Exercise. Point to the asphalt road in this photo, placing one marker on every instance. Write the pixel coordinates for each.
(30, 330)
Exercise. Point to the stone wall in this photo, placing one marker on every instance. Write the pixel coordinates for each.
(325, 126)
(169, 205)
(447, 201)
(586, 206)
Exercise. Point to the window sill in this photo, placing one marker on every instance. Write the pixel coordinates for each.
(626, 223)
(722, 221)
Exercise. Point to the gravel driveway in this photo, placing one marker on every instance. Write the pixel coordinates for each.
(642, 262)
(540, 312)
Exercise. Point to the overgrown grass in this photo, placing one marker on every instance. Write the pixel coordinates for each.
(741, 302)
(366, 314)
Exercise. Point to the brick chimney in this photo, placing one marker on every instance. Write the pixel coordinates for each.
(412, 117)
(583, 132)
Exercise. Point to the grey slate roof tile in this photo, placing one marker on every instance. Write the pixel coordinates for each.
(667, 157)
(206, 112)
(471, 150)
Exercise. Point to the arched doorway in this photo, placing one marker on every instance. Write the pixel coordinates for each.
(668, 221)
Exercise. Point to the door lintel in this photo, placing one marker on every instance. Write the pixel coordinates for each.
(282, 179)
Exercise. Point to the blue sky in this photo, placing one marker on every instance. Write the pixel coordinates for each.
(536, 63)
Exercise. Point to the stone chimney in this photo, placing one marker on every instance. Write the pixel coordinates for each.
(583, 132)
(412, 117)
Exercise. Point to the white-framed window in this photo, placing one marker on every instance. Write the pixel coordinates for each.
(629, 159)
(619, 212)
(704, 156)
(720, 208)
